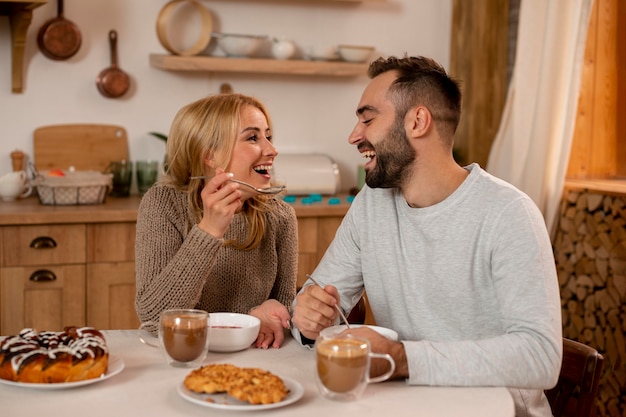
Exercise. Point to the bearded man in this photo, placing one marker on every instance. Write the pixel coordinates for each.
(459, 263)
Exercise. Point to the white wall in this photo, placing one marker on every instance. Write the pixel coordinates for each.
(310, 114)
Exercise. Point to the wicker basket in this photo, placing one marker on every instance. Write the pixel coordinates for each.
(75, 188)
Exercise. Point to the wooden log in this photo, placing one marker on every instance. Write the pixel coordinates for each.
(619, 282)
(590, 255)
(593, 201)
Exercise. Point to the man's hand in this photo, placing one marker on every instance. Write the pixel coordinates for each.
(315, 310)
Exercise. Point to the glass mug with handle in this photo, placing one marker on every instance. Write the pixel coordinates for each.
(183, 336)
(343, 366)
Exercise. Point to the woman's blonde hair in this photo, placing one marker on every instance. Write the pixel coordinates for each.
(207, 129)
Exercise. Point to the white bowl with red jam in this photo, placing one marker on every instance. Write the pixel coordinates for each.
(232, 332)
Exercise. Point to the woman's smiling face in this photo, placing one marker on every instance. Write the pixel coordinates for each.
(254, 153)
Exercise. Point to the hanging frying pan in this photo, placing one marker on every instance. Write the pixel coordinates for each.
(59, 38)
(112, 82)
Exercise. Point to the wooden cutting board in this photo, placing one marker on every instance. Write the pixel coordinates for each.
(83, 146)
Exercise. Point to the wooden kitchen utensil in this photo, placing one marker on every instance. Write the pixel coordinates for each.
(164, 22)
(83, 146)
(17, 160)
(59, 38)
(112, 82)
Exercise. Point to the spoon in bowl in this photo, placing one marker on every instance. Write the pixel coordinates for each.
(275, 189)
(343, 316)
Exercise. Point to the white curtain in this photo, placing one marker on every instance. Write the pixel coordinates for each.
(532, 147)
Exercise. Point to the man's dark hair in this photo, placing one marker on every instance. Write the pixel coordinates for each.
(422, 81)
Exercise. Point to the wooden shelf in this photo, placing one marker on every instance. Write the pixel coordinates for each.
(257, 65)
(339, 1)
(20, 14)
(605, 185)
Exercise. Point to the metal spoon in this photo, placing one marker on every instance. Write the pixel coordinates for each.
(343, 316)
(268, 190)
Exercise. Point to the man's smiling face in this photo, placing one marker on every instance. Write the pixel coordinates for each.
(380, 136)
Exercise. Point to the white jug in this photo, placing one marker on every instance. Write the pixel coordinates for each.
(283, 48)
(13, 185)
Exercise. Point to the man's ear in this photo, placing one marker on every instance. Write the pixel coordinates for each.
(417, 121)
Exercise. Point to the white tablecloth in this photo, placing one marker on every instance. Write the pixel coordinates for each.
(148, 387)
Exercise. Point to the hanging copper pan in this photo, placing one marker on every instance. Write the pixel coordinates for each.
(59, 38)
(112, 82)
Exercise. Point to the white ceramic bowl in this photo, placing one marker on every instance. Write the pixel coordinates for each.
(388, 333)
(233, 44)
(231, 332)
(355, 53)
(322, 53)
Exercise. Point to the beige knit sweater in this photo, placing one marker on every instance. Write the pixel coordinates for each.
(182, 267)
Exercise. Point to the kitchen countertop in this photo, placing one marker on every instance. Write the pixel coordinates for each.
(124, 209)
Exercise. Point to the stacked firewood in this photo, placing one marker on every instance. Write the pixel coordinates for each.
(590, 252)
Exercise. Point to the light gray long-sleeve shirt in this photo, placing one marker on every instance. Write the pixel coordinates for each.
(469, 284)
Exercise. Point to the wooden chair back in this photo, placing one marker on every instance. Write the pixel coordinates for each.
(575, 393)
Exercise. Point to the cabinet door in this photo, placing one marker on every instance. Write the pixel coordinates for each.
(111, 242)
(327, 228)
(307, 247)
(44, 298)
(314, 236)
(111, 295)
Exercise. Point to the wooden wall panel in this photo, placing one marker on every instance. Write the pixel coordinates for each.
(594, 147)
(583, 130)
(621, 89)
(479, 60)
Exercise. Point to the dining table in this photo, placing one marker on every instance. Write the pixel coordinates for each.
(139, 382)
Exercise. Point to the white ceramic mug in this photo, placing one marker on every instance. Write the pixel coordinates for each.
(183, 336)
(13, 186)
(343, 366)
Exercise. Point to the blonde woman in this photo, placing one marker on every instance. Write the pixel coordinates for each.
(213, 244)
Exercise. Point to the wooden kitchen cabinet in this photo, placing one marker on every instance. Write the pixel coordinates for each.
(67, 265)
(314, 236)
(111, 276)
(47, 305)
(317, 225)
(111, 295)
(58, 275)
(42, 277)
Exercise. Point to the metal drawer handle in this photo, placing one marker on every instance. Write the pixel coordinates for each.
(43, 242)
(43, 275)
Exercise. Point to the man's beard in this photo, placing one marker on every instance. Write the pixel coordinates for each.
(394, 155)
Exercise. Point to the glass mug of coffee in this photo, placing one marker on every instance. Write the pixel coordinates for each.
(343, 366)
(183, 336)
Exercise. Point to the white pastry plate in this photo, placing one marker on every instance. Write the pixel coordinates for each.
(115, 367)
(225, 402)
